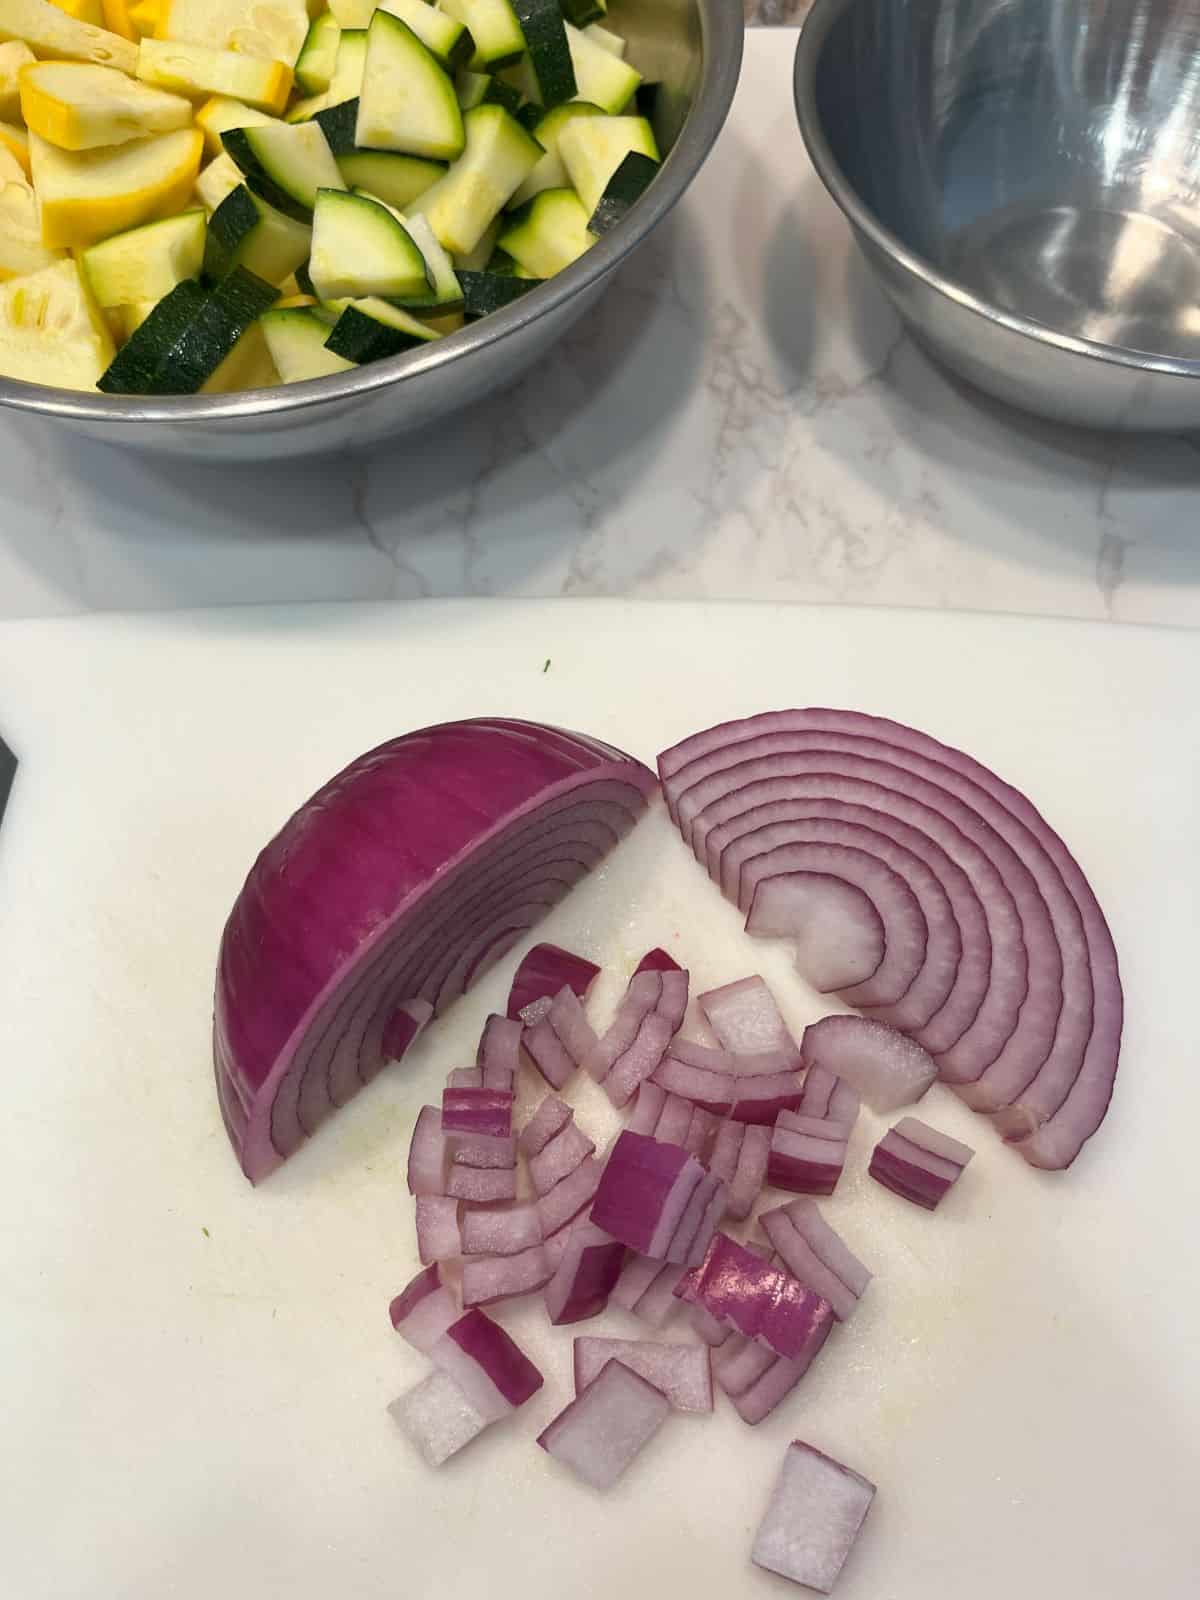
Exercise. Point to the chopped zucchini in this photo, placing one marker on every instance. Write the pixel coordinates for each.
(189, 335)
(286, 165)
(296, 339)
(477, 259)
(372, 330)
(82, 107)
(550, 173)
(612, 42)
(13, 56)
(584, 12)
(244, 231)
(493, 26)
(247, 366)
(602, 78)
(87, 195)
(443, 322)
(318, 57)
(407, 101)
(549, 233)
(146, 263)
(198, 71)
(21, 247)
(443, 36)
(273, 30)
(339, 124)
(444, 289)
(391, 177)
(592, 148)
(126, 320)
(218, 115)
(485, 292)
(360, 248)
(627, 185)
(348, 69)
(548, 51)
(498, 157)
(217, 182)
(52, 331)
(53, 36)
(485, 89)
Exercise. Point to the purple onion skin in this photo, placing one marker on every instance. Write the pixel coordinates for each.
(657, 961)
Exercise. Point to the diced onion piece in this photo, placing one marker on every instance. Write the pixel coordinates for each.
(477, 1111)
(585, 1276)
(499, 1055)
(711, 1087)
(918, 1163)
(438, 1234)
(746, 1020)
(702, 1130)
(709, 1328)
(644, 1192)
(559, 1159)
(551, 1117)
(682, 1372)
(825, 1095)
(569, 1196)
(465, 1078)
(475, 1150)
(542, 973)
(832, 924)
(437, 1416)
(428, 1156)
(658, 1304)
(759, 1299)
(763, 1098)
(699, 1222)
(500, 1233)
(751, 1172)
(482, 1186)
(727, 1145)
(887, 1069)
(639, 1002)
(648, 1109)
(813, 1518)
(561, 1040)
(636, 1277)
(740, 1363)
(807, 1154)
(491, 1370)
(657, 961)
(424, 1309)
(604, 1429)
(674, 1121)
(795, 1231)
(548, 1054)
(487, 1279)
(757, 1402)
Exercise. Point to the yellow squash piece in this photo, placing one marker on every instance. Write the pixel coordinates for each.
(129, 318)
(218, 181)
(198, 71)
(13, 56)
(274, 30)
(51, 330)
(218, 115)
(82, 10)
(15, 141)
(80, 107)
(54, 36)
(21, 247)
(88, 195)
(247, 366)
(132, 19)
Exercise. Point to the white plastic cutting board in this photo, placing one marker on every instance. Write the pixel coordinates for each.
(195, 1374)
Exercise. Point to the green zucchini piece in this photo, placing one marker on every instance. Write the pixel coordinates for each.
(346, 83)
(549, 233)
(372, 330)
(443, 35)
(485, 292)
(600, 77)
(549, 53)
(318, 55)
(529, 114)
(188, 336)
(360, 248)
(592, 148)
(612, 42)
(135, 366)
(498, 157)
(395, 179)
(285, 164)
(244, 231)
(581, 12)
(550, 172)
(627, 185)
(485, 89)
(407, 101)
(493, 26)
(501, 264)
(445, 293)
(296, 339)
(338, 124)
(477, 259)
(146, 263)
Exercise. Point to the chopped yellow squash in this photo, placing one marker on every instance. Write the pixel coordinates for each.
(82, 10)
(16, 142)
(54, 36)
(81, 107)
(199, 71)
(132, 19)
(21, 247)
(51, 330)
(88, 195)
(275, 30)
(13, 56)
(218, 181)
(218, 115)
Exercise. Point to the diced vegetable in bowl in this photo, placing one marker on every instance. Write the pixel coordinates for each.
(414, 167)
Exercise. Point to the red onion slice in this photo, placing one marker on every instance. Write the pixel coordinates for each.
(551, 1117)
(825, 1095)
(428, 1155)
(499, 1055)
(482, 1186)
(814, 1516)
(657, 961)
(681, 1372)
(559, 1159)
(807, 1153)
(918, 1163)
(439, 1237)
(540, 976)
(644, 1192)
(604, 1429)
(424, 1309)
(746, 1020)
(375, 878)
(477, 1111)
(488, 1279)
(437, 1418)
(491, 1370)
(500, 1233)
(569, 1196)
(585, 1276)
(887, 1069)
(831, 1270)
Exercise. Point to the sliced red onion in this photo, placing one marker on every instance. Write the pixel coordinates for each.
(438, 1234)
(551, 1117)
(657, 961)
(541, 974)
(473, 1150)
(682, 1372)
(438, 1418)
(482, 1185)
(813, 1518)
(699, 1222)
(465, 1078)
(650, 1101)
(477, 1111)
(751, 1172)
(919, 1163)
(424, 1309)
(807, 1154)
(585, 1276)
(487, 1279)
(763, 1098)
(825, 1095)
(674, 1121)
(428, 1156)
(644, 1192)
(746, 1020)
(833, 927)
(499, 1053)
(702, 1130)
(491, 1370)
(600, 1434)
(397, 885)
(569, 1196)
(813, 1253)
(887, 1069)
(500, 1233)
(558, 1159)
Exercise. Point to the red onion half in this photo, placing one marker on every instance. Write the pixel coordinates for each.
(385, 896)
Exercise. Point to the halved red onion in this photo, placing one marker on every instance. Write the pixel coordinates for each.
(648, 1109)
(886, 1068)
(919, 1163)
(540, 976)
(813, 1253)
(482, 1186)
(657, 961)
(813, 1518)
(674, 1121)
(558, 1159)
(439, 1237)
(438, 1418)
(746, 1020)
(825, 1095)
(500, 1233)
(551, 1117)
(569, 1196)
(751, 1172)
(807, 1153)
(600, 1434)
(477, 1111)
(699, 1222)
(424, 1309)
(465, 1078)
(585, 1276)
(428, 1155)
(393, 889)
(489, 1367)
(488, 1279)
(644, 1192)
(681, 1372)
(499, 1055)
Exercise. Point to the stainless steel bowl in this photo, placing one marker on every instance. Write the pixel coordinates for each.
(693, 48)
(1024, 178)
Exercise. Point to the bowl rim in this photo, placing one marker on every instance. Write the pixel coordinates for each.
(814, 32)
(721, 40)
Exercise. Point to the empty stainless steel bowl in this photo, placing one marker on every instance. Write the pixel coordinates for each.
(1024, 178)
(693, 48)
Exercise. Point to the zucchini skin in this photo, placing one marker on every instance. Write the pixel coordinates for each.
(485, 292)
(626, 186)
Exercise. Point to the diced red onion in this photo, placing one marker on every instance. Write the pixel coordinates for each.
(585, 1276)
(918, 1162)
(562, 1040)
(825, 1095)
(757, 1402)
(644, 1192)
(795, 1234)
(838, 936)
(477, 1111)
(647, 1020)
(551, 1117)
(499, 1053)
(428, 1157)
(482, 1185)
(751, 1173)
(554, 1246)
(437, 1417)
(558, 1159)
(709, 1087)
(723, 1160)
(709, 1328)
(500, 1233)
(746, 1020)
(541, 974)
(438, 1234)
(424, 1309)
(548, 1054)
(658, 1305)
(490, 1369)
(887, 1069)
(465, 1078)
(638, 1273)
(702, 1130)
(699, 1222)
(807, 1154)
(682, 1372)
(487, 1279)
(473, 1150)
(638, 1002)
(740, 1363)
(813, 1518)
(569, 1196)
(674, 1121)
(760, 1300)
(764, 1098)
(650, 1101)
(397, 885)
(657, 961)
(604, 1429)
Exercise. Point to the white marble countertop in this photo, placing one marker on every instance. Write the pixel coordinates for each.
(740, 418)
